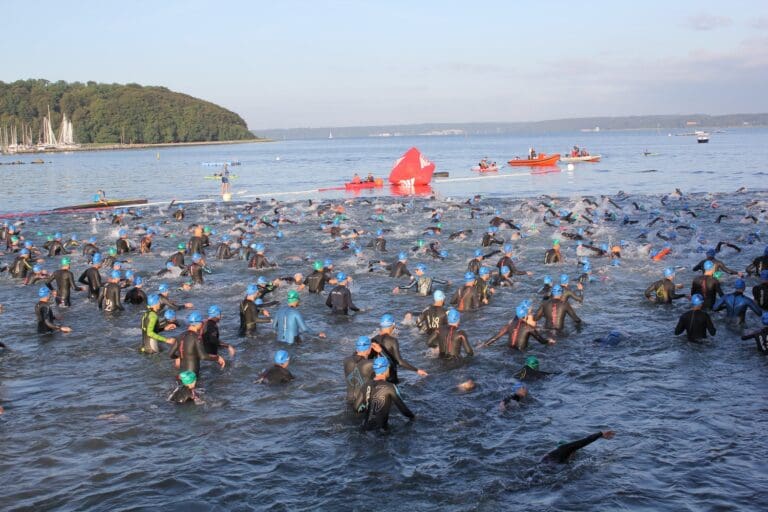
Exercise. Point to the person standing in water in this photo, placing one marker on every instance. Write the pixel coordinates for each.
(380, 395)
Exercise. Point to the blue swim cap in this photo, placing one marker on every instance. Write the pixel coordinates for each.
(262, 281)
(162, 288)
(484, 271)
(379, 232)
(517, 386)
(122, 233)
(96, 258)
(521, 311)
(387, 320)
(259, 302)
(478, 253)
(547, 280)
(564, 279)
(421, 267)
(469, 277)
(169, 315)
(403, 256)
(57, 235)
(138, 281)
(443, 253)
(708, 265)
(169, 265)
(253, 246)
(252, 289)
(438, 296)
(37, 268)
(363, 344)
(586, 266)
(341, 276)
(27, 244)
(24, 252)
(153, 300)
(115, 274)
(194, 318)
(505, 270)
(358, 251)
(214, 311)
(43, 292)
(765, 318)
(279, 234)
(710, 253)
(259, 248)
(507, 248)
(604, 247)
(557, 291)
(697, 299)
(669, 272)
(196, 257)
(129, 274)
(328, 263)
(580, 231)
(281, 357)
(73, 236)
(380, 365)
(739, 284)
(764, 275)
(453, 316)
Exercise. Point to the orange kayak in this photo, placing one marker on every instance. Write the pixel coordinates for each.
(377, 183)
(542, 160)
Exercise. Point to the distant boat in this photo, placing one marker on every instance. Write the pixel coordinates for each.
(330, 134)
(703, 138)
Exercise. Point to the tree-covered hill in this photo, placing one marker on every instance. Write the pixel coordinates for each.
(113, 113)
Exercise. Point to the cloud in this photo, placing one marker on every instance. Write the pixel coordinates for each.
(707, 22)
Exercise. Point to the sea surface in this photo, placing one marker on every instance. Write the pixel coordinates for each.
(87, 425)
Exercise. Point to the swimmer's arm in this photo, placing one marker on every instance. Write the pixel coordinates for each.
(400, 404)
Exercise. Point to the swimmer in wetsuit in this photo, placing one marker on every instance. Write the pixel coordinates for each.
(531, 370)
(317, 279)
(507, 261)
(563, 453)
(421, 281)
(467, 297)
(278, 373)
(136, 295)
(44, 314)
(695, 322)
(663, 291)
(210, 333)
(258, 260)
(451, 340)
(707, 286)
(430, 320)
(196, 243)
(553, 255)
(718, 265)
(760, 336)
(151, 327)
(185, 389)
(759, 264)
(520, 329)
(92, 277)
(516, 399)
(65, 282)
(123, 245)
(340, 298)
(555, 309)
(177, 258)
(188, 350)
(390, 348)
(760, 291)
(288, 322)
(358, 369)
(489, 238)
(379, 395)
(736, 303)
(166, 302)
(249, 312)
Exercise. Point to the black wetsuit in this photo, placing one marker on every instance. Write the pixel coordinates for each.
(109, 298)
(758, 265)
(357, 371)
(562, 453)
(527, 373)
(275, 375)
(399, 269)
(663, 292)
(719, 265)
(391, 349)
(122, 246)
(379, 396)
(552, 256)
(189, 348)
(45, 318)
(760, 293)
(474, 265)
(249, 318)
(423, 284)
(554, 311)
(182, 394)
(708, 287)
(490, 239)
(195, 271)
(135, 296)
(316, 281)
(20, 268)
(466, 298)
(178, 259)
(210, 335)
(483, 288)
(451, 341)
(499, 281)
(340, 301)
(165, 302)
(259, 261)
(519, 333)
(695, 323)
(92, 279)
(65, 282)
(378, 244)
(429, 322)
(761, 339)
(55, 249)
(223, 252)
(264, 289)
(196, 245)
(506, 261)
(576, 295)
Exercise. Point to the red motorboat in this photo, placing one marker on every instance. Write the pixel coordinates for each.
(377, 183)
(543, 160)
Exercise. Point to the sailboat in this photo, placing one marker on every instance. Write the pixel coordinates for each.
(330, 134)
(47, 137)
(66, 133)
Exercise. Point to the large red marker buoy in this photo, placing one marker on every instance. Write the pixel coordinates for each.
(412, 170)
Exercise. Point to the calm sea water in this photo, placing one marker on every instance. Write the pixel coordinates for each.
(87, 426)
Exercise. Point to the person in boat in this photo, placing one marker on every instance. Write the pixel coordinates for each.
(483, 163)
(531, 153)
(356, 179)
(100, 197)
(575, 151)
(370, 178)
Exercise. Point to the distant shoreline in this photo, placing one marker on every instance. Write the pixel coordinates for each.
(115, 147)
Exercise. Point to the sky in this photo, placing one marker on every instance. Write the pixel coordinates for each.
(291, 63)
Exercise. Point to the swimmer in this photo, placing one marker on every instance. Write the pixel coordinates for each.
(44, 314)
(340, 298)
(278, 373)
(695, 322)
(663, 290)
(195, 243)
(92, 277)
(707, 286)
(520, 329)
(568, 293)
(565, 451)
(390, 348)
(188, 350)
(507, 261)
(249, 312)
(555, 309)
(379, 243)
(210, 333)
(358, 369)
(489, 238)
(553, 255)
(503, 278)
(760, 336)
(317, 279)
(166, 302)
(380, 393)
(21, 266)
(451, 340)
(136, 295)
(259, 260)
(185, 389)
(759, 264)
(150, 327)
(760, 291)
(109, 295)
(516, 399)
(531, 370)
(288, 322)
(123, 245)
(177, 258)
(736, 303)
(65, 282)
(195, 270)
(431, 318)
(467, 297)
(421, 281)
(718, 265)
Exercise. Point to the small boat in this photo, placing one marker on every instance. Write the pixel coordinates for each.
(440, 174)
(575, 159)
(490, 168)
(377, 183)
(229, 163)
(106, 204)
(703, 138)
(542, 160)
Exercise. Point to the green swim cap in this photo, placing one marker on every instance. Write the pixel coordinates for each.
(65, 262)
(187, 377)
(206, 229)
(14, 239)
(439, 225)
(420, 243)
(112, 251)
(555, 242)
(293, 297)
(39, 233)
(49, 238)
(181, 246)
(718, 274)
(532, 362)
(317, 265)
